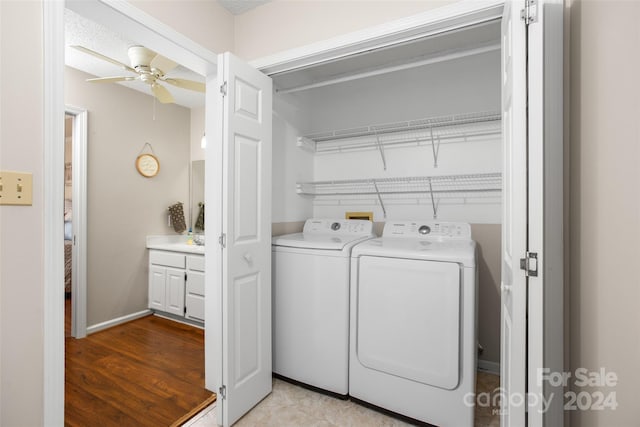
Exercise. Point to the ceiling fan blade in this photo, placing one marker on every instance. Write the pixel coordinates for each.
(111, 79)
(104, 58)
(162, 93)
(163, 64)
(186, 84)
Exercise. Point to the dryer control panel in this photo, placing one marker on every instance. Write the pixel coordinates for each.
(343, 227)
(427, 230)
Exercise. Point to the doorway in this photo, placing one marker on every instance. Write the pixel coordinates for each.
(75, 221)
(136, 25)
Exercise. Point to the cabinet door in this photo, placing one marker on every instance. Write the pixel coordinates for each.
(194, 300)
(195, 283)
(157, 287)
(175, 291)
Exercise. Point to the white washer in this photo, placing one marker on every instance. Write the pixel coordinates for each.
(311, 302)
(413, 321)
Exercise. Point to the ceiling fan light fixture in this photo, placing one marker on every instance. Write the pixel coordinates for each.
(150, 68)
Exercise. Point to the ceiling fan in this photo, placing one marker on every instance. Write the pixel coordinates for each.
(150, 68)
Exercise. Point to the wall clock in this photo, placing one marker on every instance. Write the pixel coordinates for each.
(148, 165)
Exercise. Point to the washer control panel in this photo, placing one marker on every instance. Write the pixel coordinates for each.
(427, 229)
(351, 227)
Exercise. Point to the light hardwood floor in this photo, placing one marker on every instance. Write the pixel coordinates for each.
(148, 372)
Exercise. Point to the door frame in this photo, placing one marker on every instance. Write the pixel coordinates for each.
(79, 221)
(545, 347)
(136, 25)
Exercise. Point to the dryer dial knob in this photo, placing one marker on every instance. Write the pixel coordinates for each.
(425, 229)
(335, 226)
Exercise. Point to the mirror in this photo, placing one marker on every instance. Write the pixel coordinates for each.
(197, 195)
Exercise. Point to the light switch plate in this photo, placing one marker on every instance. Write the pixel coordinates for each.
(16, 188)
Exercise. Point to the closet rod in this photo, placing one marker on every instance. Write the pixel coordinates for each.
(432, 60)
(378, 192)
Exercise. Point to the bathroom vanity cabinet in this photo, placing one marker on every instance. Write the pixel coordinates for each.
(176, 284)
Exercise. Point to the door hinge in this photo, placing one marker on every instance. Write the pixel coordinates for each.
(222, 391)
(530, 264)
(223, 89)
(530, 12)
(185, 276)
(223, 240)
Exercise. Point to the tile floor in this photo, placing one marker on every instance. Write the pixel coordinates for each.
(292, 406)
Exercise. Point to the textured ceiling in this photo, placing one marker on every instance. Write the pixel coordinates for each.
(81, 31)
(238, 7)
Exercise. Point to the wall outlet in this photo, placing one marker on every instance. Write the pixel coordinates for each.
(16, 188)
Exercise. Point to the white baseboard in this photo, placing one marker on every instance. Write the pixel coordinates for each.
(117, 321)
(490, 367)
(179, 319)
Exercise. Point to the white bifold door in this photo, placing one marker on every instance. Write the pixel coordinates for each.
(532, 261)
(244, 355)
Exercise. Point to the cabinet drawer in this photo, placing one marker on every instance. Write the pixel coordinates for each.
(195, 307)
(195, 283)
(195, 262)
(170, 259)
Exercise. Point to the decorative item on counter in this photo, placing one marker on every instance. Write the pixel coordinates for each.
(200, 221)
(176, 213)
(147, 164)
(198, 239)
(189, 237)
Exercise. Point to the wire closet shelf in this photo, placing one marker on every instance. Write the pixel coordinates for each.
(423, 131)
(434, 187)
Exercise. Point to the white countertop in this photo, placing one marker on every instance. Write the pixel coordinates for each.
(173, 243)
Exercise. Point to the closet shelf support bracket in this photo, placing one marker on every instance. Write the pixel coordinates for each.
(435, 148)
(384, 211)
(381, 149)
(434, 203)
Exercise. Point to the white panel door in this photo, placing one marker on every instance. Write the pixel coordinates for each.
(246, 223)
(545, 206)
(514, 217)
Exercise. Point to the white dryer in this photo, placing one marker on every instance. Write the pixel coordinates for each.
(413, 321)
(311, 302)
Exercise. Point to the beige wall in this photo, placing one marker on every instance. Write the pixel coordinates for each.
(197, 130)
(488, 239)
(280, 25)
(605, 201)
(21, 235)
(123, 206)
(205, 22)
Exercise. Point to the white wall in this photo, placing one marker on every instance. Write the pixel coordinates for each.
(465, 85)
(290, 164)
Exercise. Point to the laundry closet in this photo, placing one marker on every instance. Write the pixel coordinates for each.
(408, 132)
